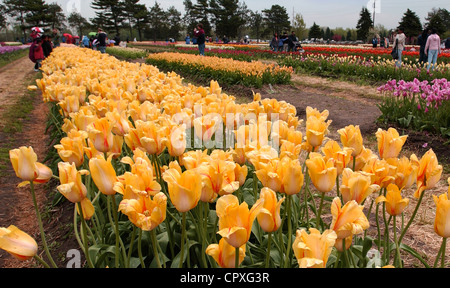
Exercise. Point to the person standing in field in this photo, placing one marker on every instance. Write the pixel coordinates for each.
(101, 41)
(399, 43)
(201, 38)
(433, 48)
(422, 41)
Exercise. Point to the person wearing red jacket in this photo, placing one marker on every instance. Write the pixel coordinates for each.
(201, 39)
(36, 54)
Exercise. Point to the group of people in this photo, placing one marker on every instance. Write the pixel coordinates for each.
(42, 46)
(285, 43)
(430, 47)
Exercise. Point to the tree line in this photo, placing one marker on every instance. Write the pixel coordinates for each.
(220, 18)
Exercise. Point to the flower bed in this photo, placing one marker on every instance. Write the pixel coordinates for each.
(127, 52)
(171, 175)
(228, 71)
(419, 105)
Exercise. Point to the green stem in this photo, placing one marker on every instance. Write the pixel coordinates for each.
(412, 217)
(444, 243)
(140, 249)
(269, 243)
(183, 236)
(236, 257)
(320, 210)
(40, 260)
(41, 226)
(155, 248)
(130, 249)
(288, 248)
(85, 240)
(116, 224)
(397, 259)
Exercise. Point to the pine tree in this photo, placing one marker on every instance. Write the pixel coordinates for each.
(411, 24)
(228, 16)
(174, 22)
(364, 24)
(157, 20)
(439, 19)
(277, 19)
(37, 14)
(109, 13)
(17, 10)
(315, 32)
(57, 18)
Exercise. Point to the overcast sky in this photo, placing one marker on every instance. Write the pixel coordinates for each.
(331, 13)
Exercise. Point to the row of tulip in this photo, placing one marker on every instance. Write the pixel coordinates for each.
(420, 105)
(228, 71)
(355, 67)
(145, 197)
(127, 52)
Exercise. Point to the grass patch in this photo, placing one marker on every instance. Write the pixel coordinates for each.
(7, 58)
(12, 121)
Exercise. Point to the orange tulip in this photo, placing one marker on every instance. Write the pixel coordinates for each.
(390, 143)
(323, 174)
(17, 243)
(185, 188)
(316, 129)
(103, 174)
(218, 177)
(71, 148)
(348, 219)
(145, 212)
(313, 250)
(73, 188)
(225, 254)
(24, 162)
(442, 222)
(395, 205)
(356, 186)
(381, 171)
(269, 217)
(429, 173)
(406, 172)
(236, 221)
(100, 133)
(351, 138)
(341, 157)
(150, 136)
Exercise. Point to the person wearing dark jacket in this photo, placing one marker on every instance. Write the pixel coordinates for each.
(422, 41)
(47, 46)
(101, 38)
(201, 38)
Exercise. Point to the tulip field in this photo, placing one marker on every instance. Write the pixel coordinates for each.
(164, 173)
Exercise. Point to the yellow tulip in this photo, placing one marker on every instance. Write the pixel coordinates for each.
(225, 254)
(195, 158)
(442, 222)
(395, 205)
(390, 143)
(313, 250)
(241, 173)
(185, 188)
(24, 162)
(100, 133)
(176, 144)
(218, 177)
(363, 158)
(356, 186)
(269, 217)
(351, 138)
(71, 148)
(381, 171)
(120, 123)
(316, 129)
(348, 219)
(17, 243)
(103, 174)
(73, 188)
(323, 174)
(145, 212)
(341, 157)
(406, 172)
(429, 172)
(236, 221)
(150, 136)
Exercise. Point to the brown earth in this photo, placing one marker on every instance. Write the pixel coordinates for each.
(347, 103)
(17, 204)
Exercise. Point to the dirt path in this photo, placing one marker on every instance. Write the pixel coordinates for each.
(17, 205)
